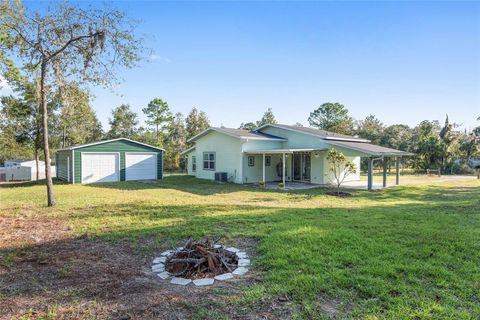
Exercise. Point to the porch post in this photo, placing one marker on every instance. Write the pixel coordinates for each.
(283, 172)
(397, 170)
(384, 164)
(264, 168)
(370, 173)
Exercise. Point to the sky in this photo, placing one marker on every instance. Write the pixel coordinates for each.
(401, 61)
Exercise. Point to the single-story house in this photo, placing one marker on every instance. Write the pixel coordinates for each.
(23, 170)
(242, 156)
(108, 161)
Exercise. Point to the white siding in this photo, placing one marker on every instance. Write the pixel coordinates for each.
(228, 156)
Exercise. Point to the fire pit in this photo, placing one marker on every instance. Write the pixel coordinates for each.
(201, 262)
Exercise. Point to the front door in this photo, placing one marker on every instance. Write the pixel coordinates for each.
(301, 166)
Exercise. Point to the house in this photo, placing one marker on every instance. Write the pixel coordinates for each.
(23, 170)
(242, 156)
(108, 161)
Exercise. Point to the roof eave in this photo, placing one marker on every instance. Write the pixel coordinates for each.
(397, 153)
(188, 150)
(348, 139)
(263, 138)
(107, 141)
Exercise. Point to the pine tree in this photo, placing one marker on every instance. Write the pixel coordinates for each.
(176, 143)
(267, 118)
(158, 115)
(195, 123)
(123, 123)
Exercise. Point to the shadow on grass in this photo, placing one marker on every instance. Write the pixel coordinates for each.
(19, 184)
(179, 182)
(197, 186)
(376, 259)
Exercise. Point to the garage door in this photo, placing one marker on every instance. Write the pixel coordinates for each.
(100, 167)
(140, 166)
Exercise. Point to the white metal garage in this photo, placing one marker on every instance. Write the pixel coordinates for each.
(140, 166)
(100, 167)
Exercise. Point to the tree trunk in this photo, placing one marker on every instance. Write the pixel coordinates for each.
(36, 161)
(63, 138)
(37, 122)
(46, 149)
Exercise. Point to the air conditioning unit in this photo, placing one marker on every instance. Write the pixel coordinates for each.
(221, 177)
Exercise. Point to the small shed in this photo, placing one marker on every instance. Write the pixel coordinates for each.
(110, 161)
(23, 170)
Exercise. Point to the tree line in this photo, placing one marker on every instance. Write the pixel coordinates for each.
(77, 123)
(50, 57)
(435, 145)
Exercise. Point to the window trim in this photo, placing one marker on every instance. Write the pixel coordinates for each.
(252, 164)
(268, 161)
(194, 163)
(209, 161)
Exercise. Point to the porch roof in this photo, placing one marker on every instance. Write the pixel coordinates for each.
(370, 149)
(280, 151)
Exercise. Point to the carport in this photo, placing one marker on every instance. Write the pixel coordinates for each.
(374, 153)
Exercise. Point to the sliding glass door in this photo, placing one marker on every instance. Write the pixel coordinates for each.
(301, 166)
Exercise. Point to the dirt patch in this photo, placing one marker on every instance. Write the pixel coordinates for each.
(334, 308)
(340, 194)
(21, 231)
(45, 270)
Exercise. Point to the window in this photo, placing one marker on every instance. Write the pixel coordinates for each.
(209, 161)
(251, 161)
(268, 161)
(194, 163)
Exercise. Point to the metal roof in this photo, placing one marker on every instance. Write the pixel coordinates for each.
(239, 133)
(314, 132)
(370, 149)
(107, 141)
(188, 150)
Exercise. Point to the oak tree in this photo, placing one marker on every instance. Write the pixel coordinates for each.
(63, 43)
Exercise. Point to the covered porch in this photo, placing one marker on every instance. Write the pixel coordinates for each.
(374, 153)
(289, 165)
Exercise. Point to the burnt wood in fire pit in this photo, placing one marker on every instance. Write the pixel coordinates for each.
(201, 259)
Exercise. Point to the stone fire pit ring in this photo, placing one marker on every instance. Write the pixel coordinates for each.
(158, 267)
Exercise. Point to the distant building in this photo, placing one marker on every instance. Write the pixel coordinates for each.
(23, 170)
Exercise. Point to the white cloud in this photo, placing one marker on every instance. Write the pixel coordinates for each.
(156, 57)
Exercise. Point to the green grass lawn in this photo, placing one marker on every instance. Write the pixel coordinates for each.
(411, 252)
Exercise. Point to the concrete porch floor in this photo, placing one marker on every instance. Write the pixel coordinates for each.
(289, 185)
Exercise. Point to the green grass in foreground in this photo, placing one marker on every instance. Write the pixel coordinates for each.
(402, 253)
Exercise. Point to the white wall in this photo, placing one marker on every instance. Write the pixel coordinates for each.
(255, 173)
(20, 173)
(329, 178)
(228, 156)
(317, 167)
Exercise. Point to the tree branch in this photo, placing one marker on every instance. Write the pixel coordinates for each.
(72, 40)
